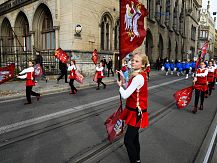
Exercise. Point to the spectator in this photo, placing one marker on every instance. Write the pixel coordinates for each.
(109, 66)
(63, 68)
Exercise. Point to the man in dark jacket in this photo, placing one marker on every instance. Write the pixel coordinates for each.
(63, 70)
(39, 60)
(109, 66)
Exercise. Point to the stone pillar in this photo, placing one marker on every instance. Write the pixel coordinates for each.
(57, 42)
(32, 40)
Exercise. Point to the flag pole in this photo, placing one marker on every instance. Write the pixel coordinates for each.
(119, 58)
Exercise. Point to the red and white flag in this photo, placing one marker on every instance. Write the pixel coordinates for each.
(183, 97)
(37, 71)
(7, 73)
(132, 31)
(203, 53)
(61, 55)
(94, 56)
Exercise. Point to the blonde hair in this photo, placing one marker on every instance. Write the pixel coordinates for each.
(145, 62)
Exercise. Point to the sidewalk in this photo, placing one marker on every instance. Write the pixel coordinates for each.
(16, 89)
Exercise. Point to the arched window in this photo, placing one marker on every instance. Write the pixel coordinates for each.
(43, 27)
(7, 38)
(106, 32)
(23, 36)
(116, 41)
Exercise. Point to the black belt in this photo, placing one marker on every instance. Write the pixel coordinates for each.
(138, 114)
(200, 84)
(136, 110)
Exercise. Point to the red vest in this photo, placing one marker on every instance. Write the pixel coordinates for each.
(210, 76)
(29, 79)
(72, 74)
(100, 74)
(130, 116)
(201, 83)
(215, 73)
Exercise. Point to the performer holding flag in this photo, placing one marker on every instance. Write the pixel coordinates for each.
(132, 34)
(28, 74)
(210, 78)
(200, 86)
(72, 68)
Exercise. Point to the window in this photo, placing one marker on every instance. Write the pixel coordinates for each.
(48, 34)
(193, 32)
(116, 41)
(150, 6)
(158, 12)
(175, 16)
(167, 18)
(26, 37)
(106, 33)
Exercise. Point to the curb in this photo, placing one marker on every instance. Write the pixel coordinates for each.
(53, 91)
(207, 148)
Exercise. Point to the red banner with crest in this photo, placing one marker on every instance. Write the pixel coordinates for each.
(132, 31)
(183, 97)
(61, 55)
(7, 73)
(94, 56)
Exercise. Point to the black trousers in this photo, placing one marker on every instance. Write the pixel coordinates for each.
(29, 92)
(198, 94)
(99, 81)
(63, 72)
(210, 87)
(187, 71)
(131, 141)
(71, 83)
(110, 69)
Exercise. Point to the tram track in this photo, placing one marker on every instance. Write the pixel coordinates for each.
(96, 153)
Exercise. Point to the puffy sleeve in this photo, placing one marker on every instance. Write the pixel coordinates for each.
(137, 83)
(30, 69)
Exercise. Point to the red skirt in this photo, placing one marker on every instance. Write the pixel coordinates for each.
(130, 118)
(202, 88)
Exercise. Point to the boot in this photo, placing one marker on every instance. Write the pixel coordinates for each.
(201, 107)
(194, 111)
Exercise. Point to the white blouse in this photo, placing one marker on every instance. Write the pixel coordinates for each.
(137, 83)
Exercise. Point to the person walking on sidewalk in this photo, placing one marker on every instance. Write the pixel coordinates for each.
(28, 74)
(100, 76)
(63, 69)
(135, 113)
(109, 66)
(72, 68)
(200, 86)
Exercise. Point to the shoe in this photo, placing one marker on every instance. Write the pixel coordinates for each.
(57, 81)
(104, 87)
(97, 88)
(206, 95)
(201, 107)
(46, 80)
(38, 97)
(75, 92)
(71, 92)
(194, 111)
(138, 161)
(27, 103)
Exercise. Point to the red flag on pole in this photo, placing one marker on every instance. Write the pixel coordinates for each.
(203, 53)
(7, 73)
(61, 55)
(114, 126)
(183, 97)
(94, 56)
(132, 31)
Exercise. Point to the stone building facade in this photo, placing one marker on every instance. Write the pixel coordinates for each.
(207, 31)
(78, 27)
(215, 48)
(172, 29)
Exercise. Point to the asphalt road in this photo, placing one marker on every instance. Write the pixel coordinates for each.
(52, 136)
